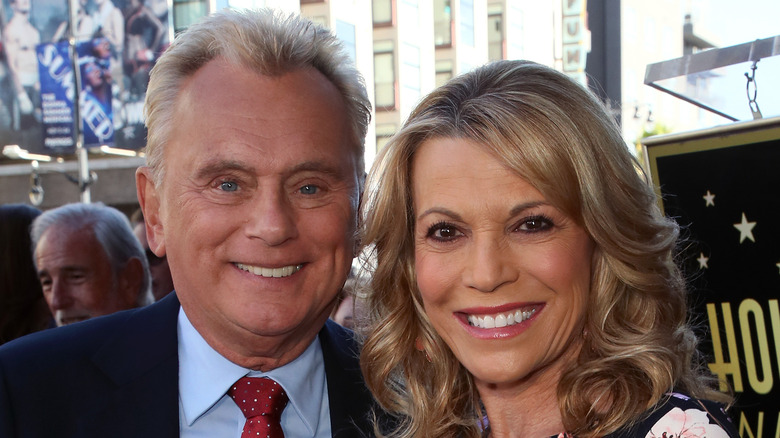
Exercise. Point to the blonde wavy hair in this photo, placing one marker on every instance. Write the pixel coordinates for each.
(557, 136)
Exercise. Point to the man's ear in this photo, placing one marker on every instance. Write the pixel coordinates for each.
(131, 278)
(149, 198)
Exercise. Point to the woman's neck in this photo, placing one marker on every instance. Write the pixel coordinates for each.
(527, 414)
(527, 409)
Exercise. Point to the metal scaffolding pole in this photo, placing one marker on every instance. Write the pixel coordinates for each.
(78, 135)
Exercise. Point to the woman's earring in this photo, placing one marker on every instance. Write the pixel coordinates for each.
(419, 346)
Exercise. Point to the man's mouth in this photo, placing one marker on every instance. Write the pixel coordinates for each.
(284, 271)
(70, 319)
(498, 320)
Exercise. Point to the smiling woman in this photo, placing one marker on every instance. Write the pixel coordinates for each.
(479, 264)
(525, 283)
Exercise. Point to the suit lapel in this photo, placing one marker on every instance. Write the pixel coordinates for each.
(142, 364)
(350, 402)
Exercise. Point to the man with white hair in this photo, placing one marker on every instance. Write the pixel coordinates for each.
(89, 262)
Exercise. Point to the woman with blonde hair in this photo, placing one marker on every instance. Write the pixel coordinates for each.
(524, 279)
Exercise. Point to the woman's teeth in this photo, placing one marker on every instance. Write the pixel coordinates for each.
(501, 319)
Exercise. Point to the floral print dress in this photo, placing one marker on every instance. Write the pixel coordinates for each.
(680, 416)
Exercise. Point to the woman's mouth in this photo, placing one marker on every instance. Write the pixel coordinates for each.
(498, 320)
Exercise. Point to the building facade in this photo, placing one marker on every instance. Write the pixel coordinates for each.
(405, 48)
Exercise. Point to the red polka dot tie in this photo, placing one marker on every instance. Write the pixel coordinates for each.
(262, 401)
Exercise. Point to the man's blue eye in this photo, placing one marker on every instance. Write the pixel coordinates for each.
(309, 189)
(228, 186)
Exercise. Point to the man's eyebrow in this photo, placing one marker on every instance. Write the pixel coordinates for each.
(217, 166)
(316, 166)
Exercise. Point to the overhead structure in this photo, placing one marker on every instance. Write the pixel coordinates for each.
(725, 81)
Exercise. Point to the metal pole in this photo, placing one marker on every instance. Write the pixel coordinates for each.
(78, 135)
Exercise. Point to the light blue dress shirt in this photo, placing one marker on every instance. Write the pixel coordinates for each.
(205, 411)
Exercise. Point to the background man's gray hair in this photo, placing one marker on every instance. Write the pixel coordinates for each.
(112, 229)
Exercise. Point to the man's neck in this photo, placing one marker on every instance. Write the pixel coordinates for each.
(259, 353)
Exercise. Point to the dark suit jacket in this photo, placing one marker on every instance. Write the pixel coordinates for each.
(117, 376)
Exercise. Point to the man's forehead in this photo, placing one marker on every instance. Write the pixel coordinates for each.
(64, 269)
(335, 164)
(293, 133)
(67, 240)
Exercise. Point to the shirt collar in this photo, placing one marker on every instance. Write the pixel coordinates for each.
(205, 376)
(304, 381)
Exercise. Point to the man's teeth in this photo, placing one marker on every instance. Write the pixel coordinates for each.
(270, 272)
(500, 320)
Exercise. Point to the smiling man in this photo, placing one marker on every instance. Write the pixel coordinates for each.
(253, 178)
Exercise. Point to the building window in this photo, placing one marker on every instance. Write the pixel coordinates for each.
(495, 33)
(465, 67)
(384, 131)
(629, 31)
(467, 22)
(649, 35)
(384, 75)
(242, 4)
(442, 23)
(319, 19)
(409, 74)
(187, 12)
(443, 72)
(515, 45)
(382, 12)
(346, 33)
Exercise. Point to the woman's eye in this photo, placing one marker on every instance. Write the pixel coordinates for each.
(309, 189)
(535, 224)
(228, 186)
(443, 232)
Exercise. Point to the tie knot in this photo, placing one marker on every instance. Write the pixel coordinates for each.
(259, 396)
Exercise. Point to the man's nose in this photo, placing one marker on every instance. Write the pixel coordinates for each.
(61, 297)
(272, 219)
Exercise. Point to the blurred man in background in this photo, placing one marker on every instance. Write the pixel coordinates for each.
(89, 262)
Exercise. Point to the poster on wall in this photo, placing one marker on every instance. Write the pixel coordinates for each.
(720, 185)
(136, 32)
(25, 25)
(94, 63)
(56, 78)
